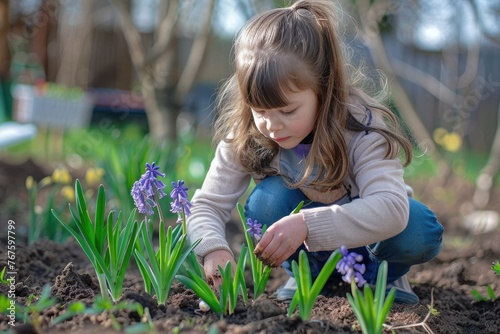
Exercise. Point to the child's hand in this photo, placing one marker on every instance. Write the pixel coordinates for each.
(281, 240)
(211, 262)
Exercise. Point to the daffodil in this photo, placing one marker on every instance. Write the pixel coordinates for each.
(61, 175)
(94, 175)
(68, 192)
(452, 142)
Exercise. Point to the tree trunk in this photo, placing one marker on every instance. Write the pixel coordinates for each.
(75, 48)
(372, 38)
(4, 46)
(161, 120)
(484, 182)
(163, 85)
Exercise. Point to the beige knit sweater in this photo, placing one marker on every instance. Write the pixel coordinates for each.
(380, 211)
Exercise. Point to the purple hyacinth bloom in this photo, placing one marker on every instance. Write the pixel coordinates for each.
(142, 199)
(180, 203)
(350, 267)
(254, 228)
(150, 182)
(144, 189)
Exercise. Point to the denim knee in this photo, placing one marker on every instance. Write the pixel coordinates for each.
(418, 243)
(272, 200)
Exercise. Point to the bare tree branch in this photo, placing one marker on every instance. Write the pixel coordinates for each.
(195, 56)
(472, 60)
(368, 19)
(131, 34)
(487, 34)
(484, 181)
(425, 80)
(165, 31)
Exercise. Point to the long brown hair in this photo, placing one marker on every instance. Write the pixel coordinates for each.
(289, 49)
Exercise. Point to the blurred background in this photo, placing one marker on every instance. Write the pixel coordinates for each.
(100, 87)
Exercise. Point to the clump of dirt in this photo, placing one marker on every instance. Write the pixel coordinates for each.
(71, 285)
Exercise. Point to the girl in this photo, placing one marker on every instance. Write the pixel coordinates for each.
(292, 119)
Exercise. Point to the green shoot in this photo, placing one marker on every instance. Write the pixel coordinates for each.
(307, 292)
(3, 280)
(496, 268)
(478, 297)
(42, 224)
(99, 306)
(260, 272)
(73, 309)
(162, 266)
(372, 310)
(31, 312)
(107, 244)
(229, 290)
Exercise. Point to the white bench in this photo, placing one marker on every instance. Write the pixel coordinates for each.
(12, 133)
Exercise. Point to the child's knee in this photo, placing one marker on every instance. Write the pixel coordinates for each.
(420, 242)
(424, 240)
(271, 200)
(429, 235)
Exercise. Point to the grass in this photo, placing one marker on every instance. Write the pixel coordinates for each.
(466, 164)
(76, 147)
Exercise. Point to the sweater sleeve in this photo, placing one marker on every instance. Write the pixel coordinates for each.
(224, 184)
(380, 212)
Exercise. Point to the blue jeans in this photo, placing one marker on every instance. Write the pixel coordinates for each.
(418, 243)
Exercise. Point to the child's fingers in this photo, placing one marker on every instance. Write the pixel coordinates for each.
(281, 254)
(263, 242)
(269, 249)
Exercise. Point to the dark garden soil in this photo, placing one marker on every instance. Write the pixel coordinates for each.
(464, 264)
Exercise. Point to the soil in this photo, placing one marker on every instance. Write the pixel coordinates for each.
(464, 264)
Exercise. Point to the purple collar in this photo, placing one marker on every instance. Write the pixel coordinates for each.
(302, 150)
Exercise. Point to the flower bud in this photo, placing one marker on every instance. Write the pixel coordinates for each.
(30, 182)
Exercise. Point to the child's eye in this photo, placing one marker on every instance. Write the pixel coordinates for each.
(288, 112)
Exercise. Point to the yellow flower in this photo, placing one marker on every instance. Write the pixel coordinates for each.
(452, 142)
(30, 182)
(68, 193)
(439, 135)
(46, 181)
(61, 175)
(93, 176)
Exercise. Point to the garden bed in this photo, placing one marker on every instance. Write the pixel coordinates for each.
(464, 264)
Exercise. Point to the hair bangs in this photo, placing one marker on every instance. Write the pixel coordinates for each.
(266, 80)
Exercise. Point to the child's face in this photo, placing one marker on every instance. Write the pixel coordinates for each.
(289, 125)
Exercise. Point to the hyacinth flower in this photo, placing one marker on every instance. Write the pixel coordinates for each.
(180, 205)
(107, 242)
(254, 229)
(158, 269)
(350, 267)
(148, 190)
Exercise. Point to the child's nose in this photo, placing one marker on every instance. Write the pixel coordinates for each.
(273, 123)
